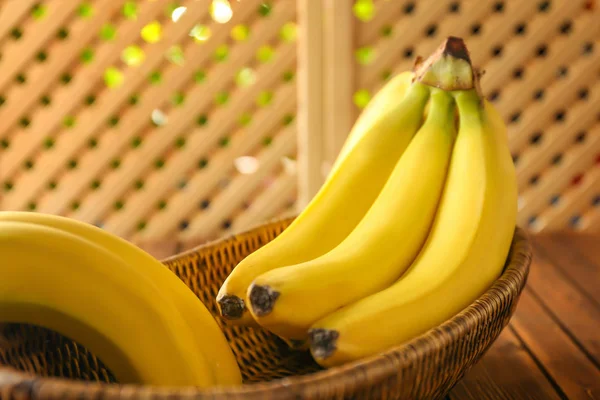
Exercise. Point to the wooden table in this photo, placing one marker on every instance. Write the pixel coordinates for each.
(551, 348)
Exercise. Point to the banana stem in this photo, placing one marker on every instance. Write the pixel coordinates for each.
(449, 67)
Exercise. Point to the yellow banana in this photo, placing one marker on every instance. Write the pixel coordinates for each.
(59, 281)
(465, 252)
(288, 300)
(344, 198)
(209, 339)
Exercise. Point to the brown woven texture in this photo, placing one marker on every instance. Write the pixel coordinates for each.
(425, 368)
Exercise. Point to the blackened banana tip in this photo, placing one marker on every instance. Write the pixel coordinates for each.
(323, 342)
(262, 299)
(232, 307)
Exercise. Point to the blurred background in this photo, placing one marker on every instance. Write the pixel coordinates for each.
(188, 120)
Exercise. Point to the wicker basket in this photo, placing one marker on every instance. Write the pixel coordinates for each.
(38, 361)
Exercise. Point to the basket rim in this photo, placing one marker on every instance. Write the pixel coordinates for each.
(507, 287)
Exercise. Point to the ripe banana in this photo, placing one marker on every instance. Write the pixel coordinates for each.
(344, 198)
(209, 339)
(59, 281)
(466, 250)
(288, 300)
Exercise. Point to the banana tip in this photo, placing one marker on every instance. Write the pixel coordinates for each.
(232, 307)
(262, 299)
(323, 342)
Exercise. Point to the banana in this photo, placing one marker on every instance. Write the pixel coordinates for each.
(288, 300)
(209, 339)
(345, 197)
(465, 252)
(59, 281)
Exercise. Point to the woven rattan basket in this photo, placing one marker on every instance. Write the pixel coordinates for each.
(37, 361)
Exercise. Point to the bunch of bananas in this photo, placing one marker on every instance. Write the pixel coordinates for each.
(125, 306)
(413, 223)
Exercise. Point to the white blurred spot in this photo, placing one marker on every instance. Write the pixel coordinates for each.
(520, 202)
(246, 164)
(178, 13)
(290, 166)
(159, 117)
(220, 11)
(200, 32)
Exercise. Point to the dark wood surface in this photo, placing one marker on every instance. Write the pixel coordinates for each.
(551, 348)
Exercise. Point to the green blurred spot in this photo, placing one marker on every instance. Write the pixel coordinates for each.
(69, 121)
(180, 142)
(265, 53)
(265, 9)
(158, 164)
(113, 121)
(139, 184)
(151, 32)
(386, 75)
(240, 32)
(136, 142)
(113, 77)
(361, 98)
(16, 33)
(155, 78)
(75, 205)
(108, 32)
(386, 31)
(134, 99)
(221, 53)
(116, 163)
(202, 163)
(31, 206)
(221, 98)
(288, 119)
(224, 141)
(42, 56)
(130, 10)
(72, 164)
(119, 205)
(178, 99)
(48, 143)
(90, 99)
(93, 142)
(175, 55)
(141, 225)
(202, 120)
(8, 185)
(24, 122)
(201, 33)
(63, 33)
(52, 185)
(288, 76)
(87, 55)
(85, 10)
(264, 98)
(245, 119)
(95, 184)
(267, 141)
(364, 55)
(66, 78)
(28, 164)
(38, 11)
(245, 77)
(5, 143)
(288, 32)
(133, 55)
(364, 9)
(20, 78)
(200, 76)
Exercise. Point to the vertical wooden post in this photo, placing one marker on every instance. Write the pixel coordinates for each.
(338, 75)
(310, 99)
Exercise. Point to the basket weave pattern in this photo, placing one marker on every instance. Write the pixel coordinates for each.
(426, 367)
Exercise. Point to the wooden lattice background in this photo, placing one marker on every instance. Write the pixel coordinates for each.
(173, 119)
